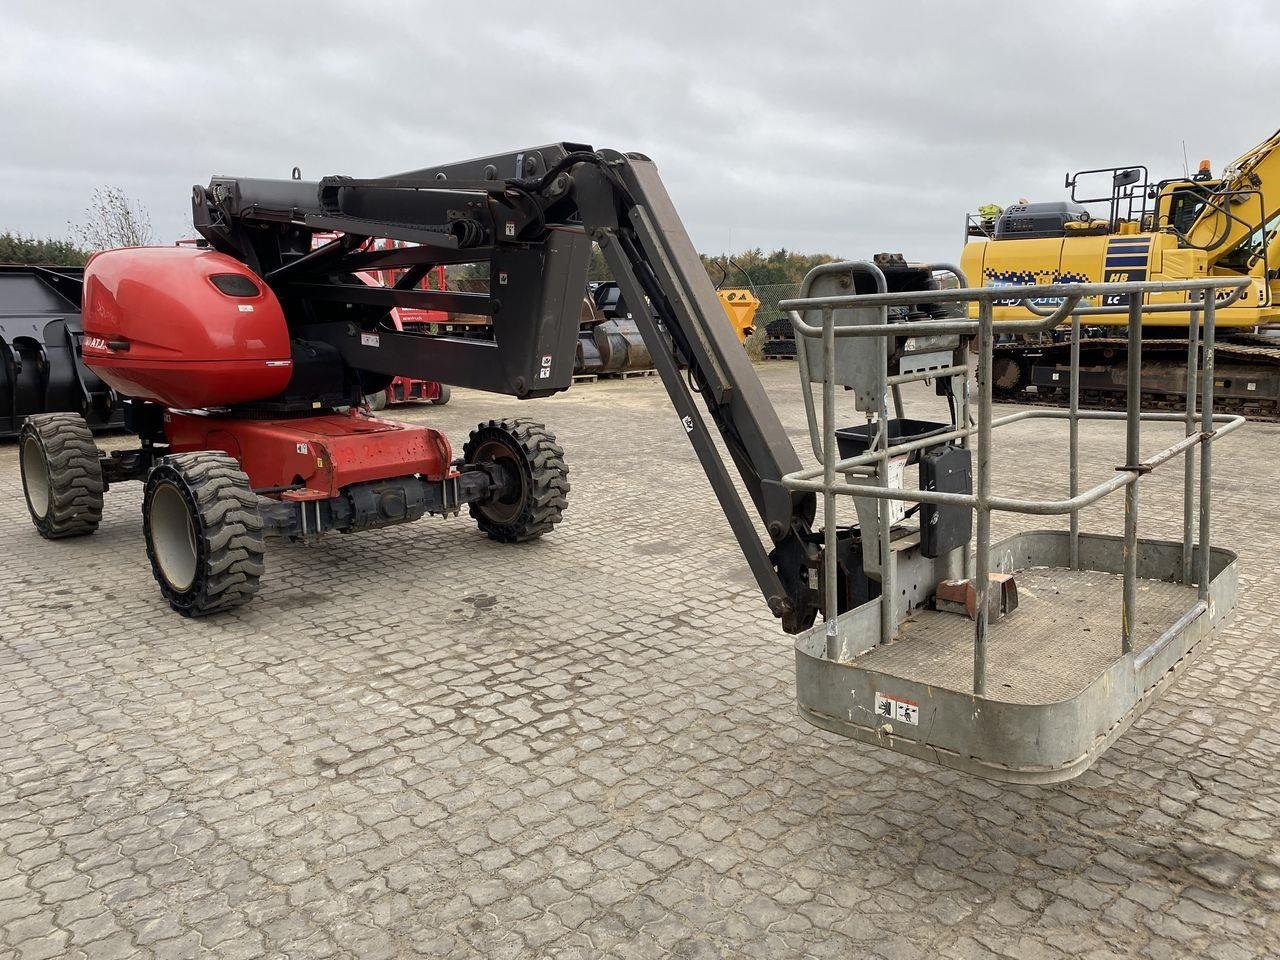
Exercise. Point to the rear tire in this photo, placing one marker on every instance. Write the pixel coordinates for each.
(203, 532)
(61, 475)
(443, 397)
(537, 487)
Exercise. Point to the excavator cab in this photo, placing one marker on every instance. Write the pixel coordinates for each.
(1179, 203)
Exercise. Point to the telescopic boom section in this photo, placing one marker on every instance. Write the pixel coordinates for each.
(531, 216)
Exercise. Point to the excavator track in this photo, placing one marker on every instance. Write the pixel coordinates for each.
(1246, 374)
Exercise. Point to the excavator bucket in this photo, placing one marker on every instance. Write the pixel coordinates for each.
(740, 306)
(40, 338)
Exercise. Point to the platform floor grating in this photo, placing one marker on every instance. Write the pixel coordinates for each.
(1064, 634)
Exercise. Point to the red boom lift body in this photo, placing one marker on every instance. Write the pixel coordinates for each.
(183, 327)
(196, 330)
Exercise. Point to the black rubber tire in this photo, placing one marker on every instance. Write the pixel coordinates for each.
(377, 401)
(531, 452)
(212, 494)
(443, 397)
(779, 329)
(61, 475)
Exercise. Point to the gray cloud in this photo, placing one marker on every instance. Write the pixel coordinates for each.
(842, 127)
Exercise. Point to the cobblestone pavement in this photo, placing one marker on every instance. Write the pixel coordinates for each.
(418, 742)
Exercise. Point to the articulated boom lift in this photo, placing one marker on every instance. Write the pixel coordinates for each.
(245, 363)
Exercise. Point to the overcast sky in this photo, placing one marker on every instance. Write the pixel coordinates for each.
(848, 128)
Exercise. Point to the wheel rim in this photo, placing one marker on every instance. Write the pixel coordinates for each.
(35, 476)
(173, 536)
(506, 508)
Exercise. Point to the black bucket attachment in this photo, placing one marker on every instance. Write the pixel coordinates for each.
(40, 366)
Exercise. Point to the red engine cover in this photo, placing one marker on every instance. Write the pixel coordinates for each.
(188, 328)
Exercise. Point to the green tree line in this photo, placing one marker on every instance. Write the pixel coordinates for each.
(757, 268)
(17, 248)
(751, 268)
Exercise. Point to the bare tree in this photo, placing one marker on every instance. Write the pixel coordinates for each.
(113, 220)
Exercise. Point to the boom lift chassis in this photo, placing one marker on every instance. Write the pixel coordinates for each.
(532, 216)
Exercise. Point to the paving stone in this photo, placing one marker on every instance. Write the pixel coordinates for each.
(416, 741)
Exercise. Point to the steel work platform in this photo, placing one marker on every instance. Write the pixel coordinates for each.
(1046, 670)
(1057, 693)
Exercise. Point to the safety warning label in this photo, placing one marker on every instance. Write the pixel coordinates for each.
(897, 708)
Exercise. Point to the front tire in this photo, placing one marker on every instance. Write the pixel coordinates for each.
(203, 532)
(534, 488)
(61, 475)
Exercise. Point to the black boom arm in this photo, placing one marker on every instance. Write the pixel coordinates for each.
(531, 216)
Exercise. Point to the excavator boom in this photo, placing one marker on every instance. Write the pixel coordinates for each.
(1243, 209)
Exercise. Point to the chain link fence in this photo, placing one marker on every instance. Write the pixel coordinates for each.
(772, 323)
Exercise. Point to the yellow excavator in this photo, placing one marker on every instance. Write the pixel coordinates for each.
(1119, 225)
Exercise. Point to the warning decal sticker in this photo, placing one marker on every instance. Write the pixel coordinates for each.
(897, 708)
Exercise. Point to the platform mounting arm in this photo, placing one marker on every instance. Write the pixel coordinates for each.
(627, 211)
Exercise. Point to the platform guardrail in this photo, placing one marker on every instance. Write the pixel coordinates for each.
(830, 478)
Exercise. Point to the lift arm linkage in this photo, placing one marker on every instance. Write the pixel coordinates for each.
(531, 217)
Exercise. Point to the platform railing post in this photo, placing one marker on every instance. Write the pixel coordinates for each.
(888, 567)
(1074, 438)
(1206, 442)
(829, 458)
(962, 420)
(1189, 459)
(888, 563)
(982, 562)
(1133, 426)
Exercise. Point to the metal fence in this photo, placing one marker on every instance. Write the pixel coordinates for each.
(769, 313)
(771, 296)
